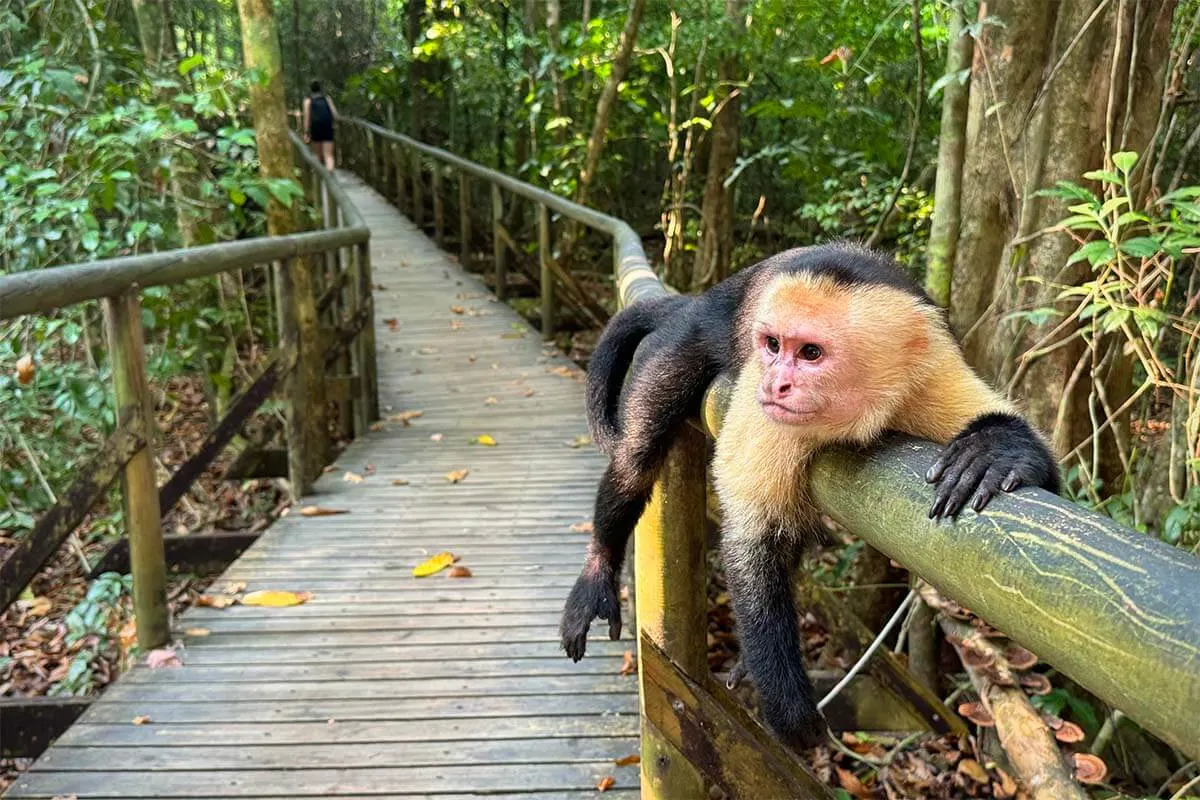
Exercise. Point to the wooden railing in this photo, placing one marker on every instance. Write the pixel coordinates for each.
(333, 261)
(1117, 611)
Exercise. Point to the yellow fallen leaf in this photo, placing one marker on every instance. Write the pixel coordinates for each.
(39, 607)
(400, 482)
(485, 440)
(321, 511)
(433, 564)
(276, 598)
(141, 719)
(457, 475)
(352, 477)
(196, 631)
(406, 417)
(579, 441)
(490, 401)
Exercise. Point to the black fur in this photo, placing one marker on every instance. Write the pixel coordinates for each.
(996, 452)
(681, 344)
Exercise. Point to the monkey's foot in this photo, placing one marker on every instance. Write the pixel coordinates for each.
(996, 452)
(594, 595)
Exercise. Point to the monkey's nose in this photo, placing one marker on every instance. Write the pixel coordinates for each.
(783, 389)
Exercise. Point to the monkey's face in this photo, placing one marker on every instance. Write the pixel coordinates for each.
(831, 360)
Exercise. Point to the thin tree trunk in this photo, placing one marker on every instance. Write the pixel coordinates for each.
(715, 251)
(943, 234)
(554, 33)
(608, 99)
(416, 127)
(260, 44)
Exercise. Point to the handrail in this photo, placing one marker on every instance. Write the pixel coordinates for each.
(43, 290)
(303, 353)
(636, 279)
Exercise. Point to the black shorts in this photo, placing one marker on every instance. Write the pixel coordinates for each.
(321, 132)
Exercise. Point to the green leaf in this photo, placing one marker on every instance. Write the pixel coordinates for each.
(1094, 252)
(1105, 176)
(189, 64)
(1125, 160)
(1140, 247)
(90, 241)
(1112, 204)
(186, 126)
(47, 189)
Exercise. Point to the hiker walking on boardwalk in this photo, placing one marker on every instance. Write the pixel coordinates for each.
(318, 124)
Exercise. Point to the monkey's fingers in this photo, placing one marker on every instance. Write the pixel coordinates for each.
(950, 454)
(955, 485)
(992, 483)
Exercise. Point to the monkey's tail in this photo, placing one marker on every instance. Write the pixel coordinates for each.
(611, 360)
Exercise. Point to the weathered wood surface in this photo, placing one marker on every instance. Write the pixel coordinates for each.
(385, 685)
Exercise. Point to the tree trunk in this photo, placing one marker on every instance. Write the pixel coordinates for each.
(1051, 86)
(554, 33)
(260, 44)
(943, 235)
(413, 12)
(608, 99)
(715, 251)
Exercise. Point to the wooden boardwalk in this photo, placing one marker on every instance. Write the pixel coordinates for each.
(385, 685)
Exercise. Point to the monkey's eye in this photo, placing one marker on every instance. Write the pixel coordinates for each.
(811, 352)
(772, 345)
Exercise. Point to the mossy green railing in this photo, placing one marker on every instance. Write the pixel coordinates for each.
(337, 255)
(1117, 611)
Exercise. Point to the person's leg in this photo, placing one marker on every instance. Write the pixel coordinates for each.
(327, 147)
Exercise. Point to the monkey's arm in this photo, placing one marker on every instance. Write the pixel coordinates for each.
(758, 568)
(989, 447)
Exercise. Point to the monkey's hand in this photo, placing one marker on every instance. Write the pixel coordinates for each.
(594, 595)
(996, 452)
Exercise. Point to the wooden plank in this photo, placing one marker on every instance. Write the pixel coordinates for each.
(166, 690)
(152, 758)
(248, 734)
(408, 709)
(484, 779)
(290, 673)
(202, 652)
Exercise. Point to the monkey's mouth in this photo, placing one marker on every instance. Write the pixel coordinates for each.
(787, 415)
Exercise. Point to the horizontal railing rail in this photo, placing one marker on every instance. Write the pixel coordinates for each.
(333, 263)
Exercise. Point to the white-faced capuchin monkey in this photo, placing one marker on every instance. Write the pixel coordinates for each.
(826, 344)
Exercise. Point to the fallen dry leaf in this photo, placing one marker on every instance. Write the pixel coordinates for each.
(352, 477)
(376, 427)
(128, 634)
(605, 783)
(628, 761)
(215, 600)
(400, 482)
(579, 441)
(490, 401)
(140, 720)
(850, 782)
(406, 417)
(512, 335)
(973, 770)
(457, 475)
(583, 527)
(25, 370)
(628, 664)
(455, 325)
(437, 437)
(458, 309)
(321, 511)
(472, 358)
(485, 440)
(392, 323)
(458, 572)
(39, 606)
(196, 631)
(529, 393)
(433, 564)
(163, 657)
(276, 598)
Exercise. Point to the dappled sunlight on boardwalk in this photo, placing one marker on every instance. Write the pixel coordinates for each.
(384, 684)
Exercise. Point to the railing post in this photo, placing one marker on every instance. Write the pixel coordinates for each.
(299, 334)
(670, 579)
(357, 363)
(370, 172)
(368, 374)
(418, 198)
(400, 158)
(464, 220)
(547, 276)
(499, 251)
(147, 561)
(439, 207)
